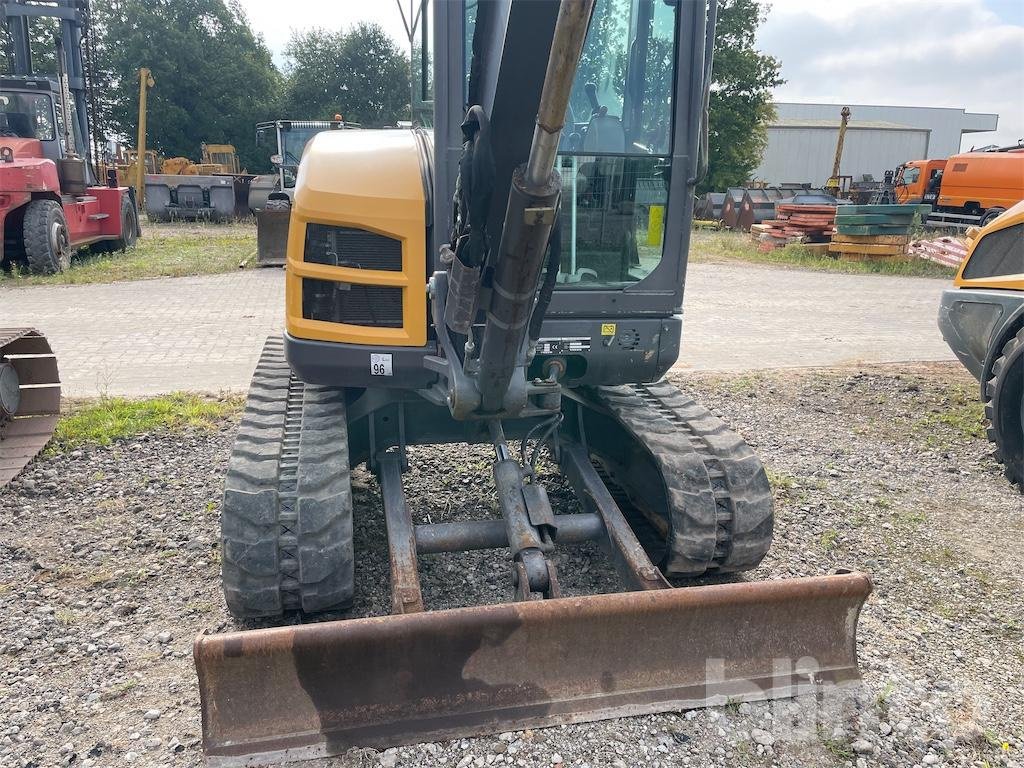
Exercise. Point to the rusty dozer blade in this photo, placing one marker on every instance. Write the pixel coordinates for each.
(29, 398)
(298, 692)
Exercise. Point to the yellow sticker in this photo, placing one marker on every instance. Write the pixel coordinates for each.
(607, 329)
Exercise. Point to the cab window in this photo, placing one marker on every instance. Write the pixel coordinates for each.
(997, 254)
(615, 149)
(26, 115)
(911, 175)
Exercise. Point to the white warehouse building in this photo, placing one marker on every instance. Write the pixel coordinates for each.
(802, 139)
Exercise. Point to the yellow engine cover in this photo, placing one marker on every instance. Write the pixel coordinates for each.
(369, 180)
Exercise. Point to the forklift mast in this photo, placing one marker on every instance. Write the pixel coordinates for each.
(74, 17)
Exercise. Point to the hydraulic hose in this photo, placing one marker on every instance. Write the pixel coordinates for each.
(547, 288)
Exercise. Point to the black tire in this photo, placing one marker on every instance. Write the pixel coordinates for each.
(1004, 409)
(129, 230)
(991, 214)
(47, 241)
(286, 521)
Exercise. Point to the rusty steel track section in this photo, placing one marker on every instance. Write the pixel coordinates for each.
(29, 398)
(719, 514)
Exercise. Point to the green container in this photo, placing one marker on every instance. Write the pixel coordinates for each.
(904, 220)
(884, 210)
(873, 229)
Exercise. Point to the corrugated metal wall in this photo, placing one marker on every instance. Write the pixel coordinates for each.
(806, 153)
(947, 125)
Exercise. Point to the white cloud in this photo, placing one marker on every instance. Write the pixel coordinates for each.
(932, 53)
(954, 53)
(276, 21)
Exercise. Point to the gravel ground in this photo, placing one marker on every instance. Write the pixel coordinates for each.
(108, 567)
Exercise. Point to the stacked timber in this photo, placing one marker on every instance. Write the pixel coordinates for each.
(806, 224)
(865, 232)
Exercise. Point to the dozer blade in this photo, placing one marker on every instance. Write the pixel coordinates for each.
(29, 398)
(299, 692)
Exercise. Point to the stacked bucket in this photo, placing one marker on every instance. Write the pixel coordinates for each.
(866, 232)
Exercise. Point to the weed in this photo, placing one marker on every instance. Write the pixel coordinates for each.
(882, 699)
(780, 481)
(908, 518)
(747, 384)
(65, 617)
(120, 690)
(837, 747)
(828, 539)
(115, 418)
(958, 417)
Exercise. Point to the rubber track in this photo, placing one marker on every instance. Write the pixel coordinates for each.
(286, 521)
(720, 502)
(26, 434)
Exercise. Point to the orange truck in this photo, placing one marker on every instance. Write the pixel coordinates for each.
(968, 189)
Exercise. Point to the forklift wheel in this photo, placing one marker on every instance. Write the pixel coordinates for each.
(47, 243)
(129, 230)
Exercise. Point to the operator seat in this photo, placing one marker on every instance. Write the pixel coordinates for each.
(19, 123)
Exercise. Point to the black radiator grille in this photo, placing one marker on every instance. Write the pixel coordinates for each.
(377, 306)
(354, 248)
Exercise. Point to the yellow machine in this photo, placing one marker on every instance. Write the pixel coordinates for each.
(982, 320)
(215, 189)
(837, 185)
(493, 281)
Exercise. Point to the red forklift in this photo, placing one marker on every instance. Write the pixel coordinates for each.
(52, 202)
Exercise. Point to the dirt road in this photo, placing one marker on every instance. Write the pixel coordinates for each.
(205, 333)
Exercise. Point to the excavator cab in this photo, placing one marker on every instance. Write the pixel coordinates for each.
(512, 278)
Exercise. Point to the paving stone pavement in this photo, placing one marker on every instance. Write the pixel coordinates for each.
(205, 333)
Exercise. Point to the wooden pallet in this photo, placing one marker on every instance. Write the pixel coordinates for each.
(840, 237)
(874, 249)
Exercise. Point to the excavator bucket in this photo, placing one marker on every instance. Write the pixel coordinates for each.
(29, 398)
(297, 692)
(272, 233)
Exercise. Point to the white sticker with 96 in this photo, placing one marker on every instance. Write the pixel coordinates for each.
(380, 365)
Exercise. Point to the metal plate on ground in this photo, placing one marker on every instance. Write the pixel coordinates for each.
(297, 692)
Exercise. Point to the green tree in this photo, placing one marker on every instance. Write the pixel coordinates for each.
(741, 96)
(360, 74)
(214, 77)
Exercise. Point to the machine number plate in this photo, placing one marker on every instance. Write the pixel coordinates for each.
(563, 346)
(380, 365)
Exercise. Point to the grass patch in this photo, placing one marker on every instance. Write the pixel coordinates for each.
(115, 418)
(780, 481)
(710, 247)
(828, 539)
(959, 416)
(206, 250)
(840, 748)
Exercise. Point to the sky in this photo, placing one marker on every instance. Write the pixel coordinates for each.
(930, 53)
